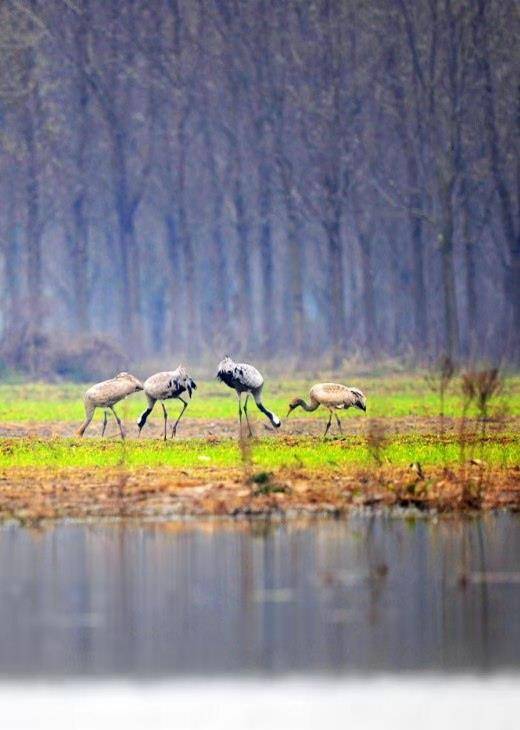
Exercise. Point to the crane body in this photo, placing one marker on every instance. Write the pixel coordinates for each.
(332, 396)
(163, 386)
(105, 395)
(245, 378)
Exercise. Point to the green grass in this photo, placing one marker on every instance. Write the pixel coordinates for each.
(395, 396)
(305, 452)
(392, 396)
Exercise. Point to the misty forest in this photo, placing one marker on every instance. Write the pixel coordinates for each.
(318, 179)
(259, 364)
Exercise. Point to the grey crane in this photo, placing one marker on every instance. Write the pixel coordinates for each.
(164, 386)
(105, 395)
(332, 396)
(245, 378)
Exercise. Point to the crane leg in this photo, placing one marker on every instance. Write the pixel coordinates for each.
(240, 411)
(247, 418)
(105, 419)
(89, 414)
(328, 425)
(339, 423)
(165, 413)
(118, 422)
(184, 406)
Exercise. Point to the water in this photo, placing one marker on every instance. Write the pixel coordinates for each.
(347, 596)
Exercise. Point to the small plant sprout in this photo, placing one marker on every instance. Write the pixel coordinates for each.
(481, 386)
(376, 440)
(439, 379)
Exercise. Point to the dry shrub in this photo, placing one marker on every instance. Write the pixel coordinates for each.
(376, 440)
(480, 386)
(92, 357)
(25, 349)
(440, 376)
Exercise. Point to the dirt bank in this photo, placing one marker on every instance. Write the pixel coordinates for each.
(225, 428)
(33, 494)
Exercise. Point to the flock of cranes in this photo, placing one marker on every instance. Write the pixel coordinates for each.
(243, 378)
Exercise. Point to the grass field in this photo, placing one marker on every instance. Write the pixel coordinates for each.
(46, 472)
(302, 452)
(395, 396)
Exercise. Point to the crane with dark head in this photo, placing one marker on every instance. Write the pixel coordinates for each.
(165, 386)
(244, 378)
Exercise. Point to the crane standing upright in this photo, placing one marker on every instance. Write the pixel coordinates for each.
(244, 378)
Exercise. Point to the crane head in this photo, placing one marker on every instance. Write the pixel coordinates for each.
(293, 404)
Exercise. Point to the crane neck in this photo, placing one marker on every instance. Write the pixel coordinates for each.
(309, 407)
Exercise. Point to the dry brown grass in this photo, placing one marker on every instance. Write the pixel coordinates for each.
(33, 494)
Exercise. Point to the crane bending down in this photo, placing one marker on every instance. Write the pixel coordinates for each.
(244, 378)
(105, 395)
(163, 386)
(332, 396)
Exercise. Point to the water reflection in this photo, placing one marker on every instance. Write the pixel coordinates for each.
(363, 594)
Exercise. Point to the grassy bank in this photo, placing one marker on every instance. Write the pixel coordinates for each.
(403, 454)
(268, 453)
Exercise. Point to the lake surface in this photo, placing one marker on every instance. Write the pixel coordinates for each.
(363, 594)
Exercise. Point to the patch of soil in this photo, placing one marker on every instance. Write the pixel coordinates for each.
(34, 494)
(227, 428)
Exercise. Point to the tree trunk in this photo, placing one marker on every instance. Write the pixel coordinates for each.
(369, 311)
(31, 114)
(420, 317)
(175, 288)
(126, 294)
(129, 291)
(193, 334)
(266, 253)
(337, 323)
(295, 335)
(33, 231)
(244, 315)
(448, 273)
(80, 264)
(217, 335)
(505, 197)
(80, 257)
(12, 259)
(470, 344)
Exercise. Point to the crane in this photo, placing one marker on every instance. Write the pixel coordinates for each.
(332, 396)
(164, 386)
(244, 378)
(105, 395)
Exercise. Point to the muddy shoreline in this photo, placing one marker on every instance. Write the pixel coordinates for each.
(226, 428)
(31, 494)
